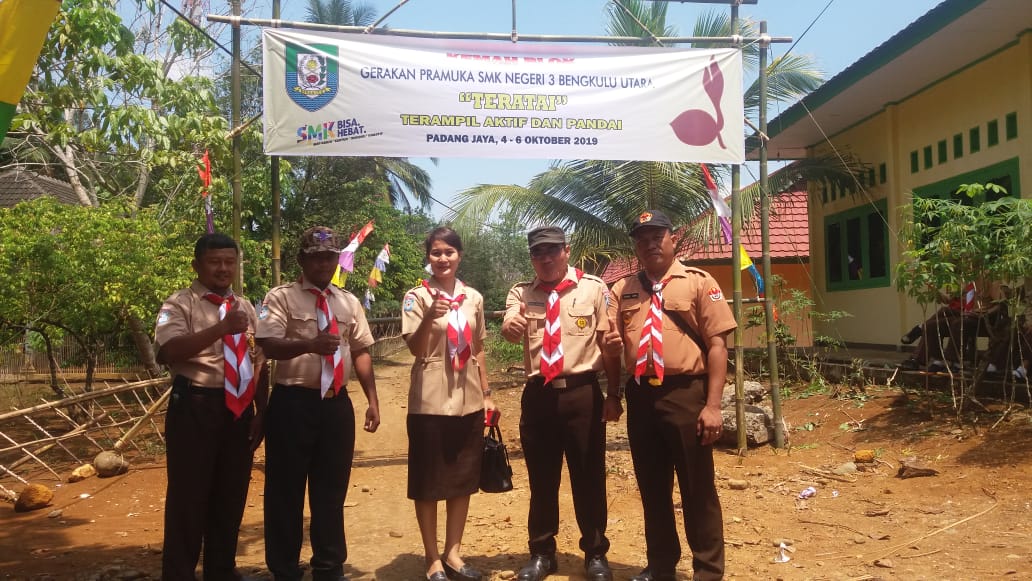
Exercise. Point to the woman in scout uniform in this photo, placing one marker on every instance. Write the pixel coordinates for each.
(443, 324)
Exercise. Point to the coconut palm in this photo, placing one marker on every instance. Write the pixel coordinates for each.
(405, 180)
(596, 200)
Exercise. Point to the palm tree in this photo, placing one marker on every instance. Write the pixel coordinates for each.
(405, 180)
(596, 200)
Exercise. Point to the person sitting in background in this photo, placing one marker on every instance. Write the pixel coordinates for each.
(948, 321)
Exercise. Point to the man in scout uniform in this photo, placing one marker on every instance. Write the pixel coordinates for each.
(672, 324)
(205, 334)
(560, 318)
(318, 333)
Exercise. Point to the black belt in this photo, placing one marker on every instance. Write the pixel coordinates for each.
(671, 380)
(565, 381)
(329, 393)
(182, 384)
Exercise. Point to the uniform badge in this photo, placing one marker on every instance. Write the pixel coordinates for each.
(582, 322)
(605, 295)
(163, 316)
(410, 301)
(263, 312)
(655, 381)
(715, 294)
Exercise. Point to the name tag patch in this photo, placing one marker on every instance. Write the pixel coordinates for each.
(629, 296)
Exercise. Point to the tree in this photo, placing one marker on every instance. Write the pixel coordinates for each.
(597, 200)
(405, 179)
(85, 271)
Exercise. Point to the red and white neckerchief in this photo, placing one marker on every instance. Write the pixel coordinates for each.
(333, 365)
(551, 344)
(652, 335)
(238, 371)
(460, 336)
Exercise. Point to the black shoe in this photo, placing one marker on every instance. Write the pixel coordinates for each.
(910, 365)
(539, 567)
(597, 569)
(650, 575)
(911, 336)
(464, 573)
(438, 576)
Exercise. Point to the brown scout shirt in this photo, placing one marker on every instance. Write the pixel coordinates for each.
(187, 312)
(692, 293)
(288, 312)
(582, 314)
(435, 387)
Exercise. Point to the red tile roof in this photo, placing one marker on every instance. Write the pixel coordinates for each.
(19, 185)
(789, 237)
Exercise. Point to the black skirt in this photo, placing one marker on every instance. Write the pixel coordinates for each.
(444, 455)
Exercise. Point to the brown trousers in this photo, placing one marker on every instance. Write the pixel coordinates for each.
(661, 427)
(209, 469)
(557, 422)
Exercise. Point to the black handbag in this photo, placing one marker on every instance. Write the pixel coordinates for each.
(495, 472)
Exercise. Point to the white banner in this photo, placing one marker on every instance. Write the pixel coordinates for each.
(360, 95)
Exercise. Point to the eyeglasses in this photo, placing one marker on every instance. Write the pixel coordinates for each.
(545, 250)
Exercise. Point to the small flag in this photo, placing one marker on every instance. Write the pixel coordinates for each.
(204, 172)
(723, 212)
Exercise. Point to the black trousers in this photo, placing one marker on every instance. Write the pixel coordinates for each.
(209, 468)
(555, 422)
(661, 428)
(308, 440)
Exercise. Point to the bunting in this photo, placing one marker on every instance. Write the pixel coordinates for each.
(23, 28)
(347, 256)
(723, 212)
(376, 274)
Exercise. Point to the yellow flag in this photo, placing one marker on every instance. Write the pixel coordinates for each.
(23, 28)
(339, 277)
(744, 261)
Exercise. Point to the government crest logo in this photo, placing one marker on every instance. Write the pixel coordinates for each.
(312, 73)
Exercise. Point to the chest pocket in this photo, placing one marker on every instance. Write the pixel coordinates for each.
(681, 306)
(535, 315)
(630, 318)
(302, 325)
(580, 320)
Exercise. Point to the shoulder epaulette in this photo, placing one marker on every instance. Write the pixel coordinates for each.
(594, 278)
(694, 270)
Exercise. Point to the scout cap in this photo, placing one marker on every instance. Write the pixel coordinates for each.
(651, 218)
(546, 235)
(319, 239)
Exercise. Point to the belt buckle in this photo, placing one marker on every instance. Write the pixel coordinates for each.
(655, 381)
(330, 394)
(559, 383)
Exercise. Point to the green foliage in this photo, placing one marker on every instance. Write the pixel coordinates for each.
(84, 270)
(495, 259)
(500, 353)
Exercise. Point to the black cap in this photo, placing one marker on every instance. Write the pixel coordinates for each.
(651, 218)
(546, 235)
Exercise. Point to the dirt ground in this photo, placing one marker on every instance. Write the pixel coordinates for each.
(973, 520)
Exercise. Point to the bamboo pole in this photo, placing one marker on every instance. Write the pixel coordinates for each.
(736, 284)
(768, 305)
(83, 397)
(127, 437)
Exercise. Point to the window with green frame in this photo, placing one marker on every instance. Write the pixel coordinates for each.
(1004, 173)
(857, 247)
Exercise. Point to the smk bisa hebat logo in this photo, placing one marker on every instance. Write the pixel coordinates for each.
(311, 74)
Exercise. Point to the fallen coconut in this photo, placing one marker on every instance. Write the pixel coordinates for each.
(110, 464)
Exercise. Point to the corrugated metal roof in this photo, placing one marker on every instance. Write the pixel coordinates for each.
(19, 185)
(789, 238)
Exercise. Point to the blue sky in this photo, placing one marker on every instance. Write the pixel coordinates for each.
(848, 30)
